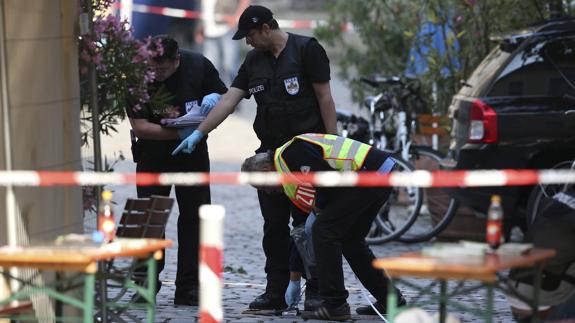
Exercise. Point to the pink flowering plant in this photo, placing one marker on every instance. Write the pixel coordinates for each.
(122, 76)
(122, 68)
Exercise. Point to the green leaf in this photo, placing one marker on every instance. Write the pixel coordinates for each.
(432, 17)
(450, 40)
(161, 100)
(240, 270)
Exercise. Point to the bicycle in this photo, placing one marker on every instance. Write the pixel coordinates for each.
(397, 214)
(418, 224)
(387, 129)
(541, 191)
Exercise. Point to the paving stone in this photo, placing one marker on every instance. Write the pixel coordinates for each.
(244, 276)
(244, 262)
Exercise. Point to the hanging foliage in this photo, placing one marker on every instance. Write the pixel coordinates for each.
(122, 71)
(438, 41)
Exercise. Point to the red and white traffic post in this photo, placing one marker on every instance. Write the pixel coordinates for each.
(211, 258)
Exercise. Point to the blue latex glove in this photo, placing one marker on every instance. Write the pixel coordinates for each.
(293, 293)
(189, 144)
(183, 133)
(209, 102)
(309, 223)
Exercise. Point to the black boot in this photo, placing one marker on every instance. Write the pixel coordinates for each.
(137, 298)
(340, 313)
(312, 298)
(186, 297)
(268, 301)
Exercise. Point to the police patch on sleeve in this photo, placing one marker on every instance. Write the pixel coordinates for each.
(291, 85)
(256, 89)
(190, 105)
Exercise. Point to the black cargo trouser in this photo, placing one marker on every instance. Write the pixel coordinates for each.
(341, 228)
(189, 200)
(277, 243)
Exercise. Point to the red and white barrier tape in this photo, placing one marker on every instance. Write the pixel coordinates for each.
(164, 11)
(211, 258)
(420, 178)
(191, 14)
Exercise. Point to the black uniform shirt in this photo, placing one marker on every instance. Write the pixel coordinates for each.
(210, 83)
(302, 156)
(316, 66)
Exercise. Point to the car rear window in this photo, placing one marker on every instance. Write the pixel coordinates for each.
(483, 74)
(541, 68)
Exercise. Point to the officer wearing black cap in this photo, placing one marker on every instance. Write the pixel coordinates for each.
(289, 76)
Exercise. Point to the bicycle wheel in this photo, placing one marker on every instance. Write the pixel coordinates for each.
(399, 212)
(431, 219)
(541, 191)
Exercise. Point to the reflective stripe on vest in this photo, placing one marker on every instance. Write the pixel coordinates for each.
(302, 195)
(341, 153)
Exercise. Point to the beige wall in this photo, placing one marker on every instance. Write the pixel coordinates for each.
(43, 103)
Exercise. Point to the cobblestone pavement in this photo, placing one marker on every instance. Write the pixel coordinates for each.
(244, 278)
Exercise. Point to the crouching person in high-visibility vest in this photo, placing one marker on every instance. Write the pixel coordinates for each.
(343, 214)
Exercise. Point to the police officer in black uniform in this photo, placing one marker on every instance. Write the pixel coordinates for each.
(289, 76)
(186, 80)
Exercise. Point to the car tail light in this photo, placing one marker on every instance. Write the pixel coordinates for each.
(482, 123)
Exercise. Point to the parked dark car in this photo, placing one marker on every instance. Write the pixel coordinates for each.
(517, 111)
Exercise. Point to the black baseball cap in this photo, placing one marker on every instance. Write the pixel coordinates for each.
(253, 17)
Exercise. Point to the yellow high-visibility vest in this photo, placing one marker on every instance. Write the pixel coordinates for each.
(343, 154)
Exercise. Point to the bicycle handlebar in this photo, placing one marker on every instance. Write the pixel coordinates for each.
(378, 81)
(403, 88)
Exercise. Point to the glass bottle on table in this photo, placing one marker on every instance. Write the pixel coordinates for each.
(106, 222)
(494, 231)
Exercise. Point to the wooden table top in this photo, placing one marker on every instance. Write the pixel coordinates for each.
(82, 258)
(482, 268)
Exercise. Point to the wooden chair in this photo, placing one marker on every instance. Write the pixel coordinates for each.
(141, 218)
(429, 125)
(145, 217)
(432, 131)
